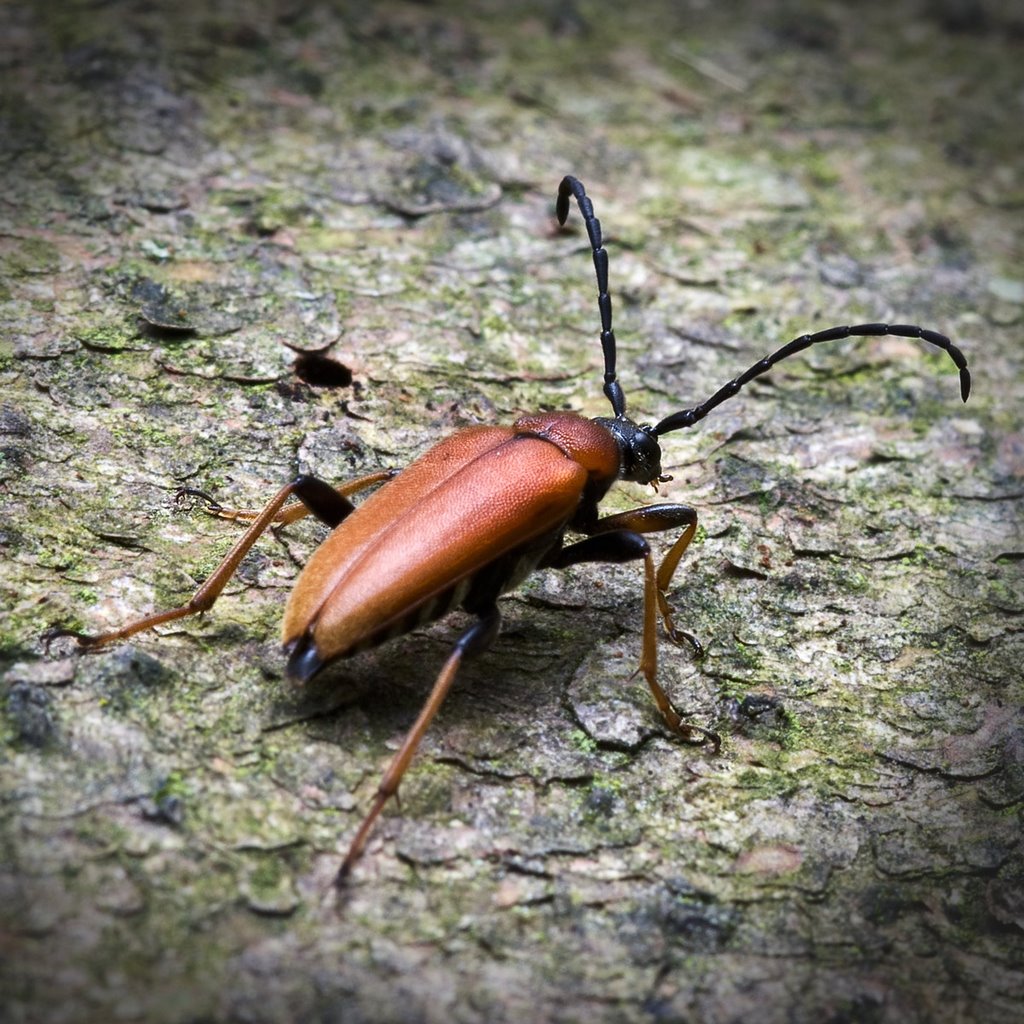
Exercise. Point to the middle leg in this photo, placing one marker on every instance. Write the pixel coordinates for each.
(330, 509)
(314, 496)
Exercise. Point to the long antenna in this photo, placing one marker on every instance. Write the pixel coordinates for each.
(571, 186)
(688, 417)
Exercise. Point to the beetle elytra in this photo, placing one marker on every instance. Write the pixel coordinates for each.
(473, 516)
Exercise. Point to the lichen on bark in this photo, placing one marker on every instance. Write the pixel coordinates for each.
(196, 204)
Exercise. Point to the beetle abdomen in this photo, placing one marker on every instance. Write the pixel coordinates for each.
(433, 608)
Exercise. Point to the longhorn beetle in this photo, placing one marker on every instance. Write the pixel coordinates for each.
(475, 515)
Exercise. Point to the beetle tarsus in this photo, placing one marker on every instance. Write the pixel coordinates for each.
(57, 632)
(212, 506)
(697, 736)
(680, 636)
(355, 850)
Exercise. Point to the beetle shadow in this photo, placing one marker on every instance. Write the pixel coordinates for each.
(511, 696)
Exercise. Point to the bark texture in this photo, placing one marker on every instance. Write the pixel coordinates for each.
(241, 241)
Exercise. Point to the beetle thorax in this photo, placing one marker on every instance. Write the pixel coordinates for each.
(639, 451)
(582, 440)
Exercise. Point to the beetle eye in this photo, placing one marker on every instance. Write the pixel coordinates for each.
(643, 457)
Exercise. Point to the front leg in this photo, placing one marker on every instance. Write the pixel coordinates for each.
(617, 538)
(654, 519)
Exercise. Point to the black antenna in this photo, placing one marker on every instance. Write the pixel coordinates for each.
(571, 186)
(688, 417)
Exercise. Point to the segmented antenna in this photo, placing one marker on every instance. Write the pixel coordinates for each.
(571, 186)
(686, 418)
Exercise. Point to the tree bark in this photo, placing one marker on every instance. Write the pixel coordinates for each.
(238, 246)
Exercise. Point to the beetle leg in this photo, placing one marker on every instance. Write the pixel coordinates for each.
(473, 642)
(316, 496)
(654, 519)
(617, 543)
(653, 598)
(620, 546)
(293, 510)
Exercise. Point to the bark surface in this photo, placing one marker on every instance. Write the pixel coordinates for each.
(246, 241)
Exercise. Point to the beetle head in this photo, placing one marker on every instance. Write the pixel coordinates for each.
(639, 451)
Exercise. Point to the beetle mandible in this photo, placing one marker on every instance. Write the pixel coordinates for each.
(471, 518)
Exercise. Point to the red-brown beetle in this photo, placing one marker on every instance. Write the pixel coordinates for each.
(471, 518)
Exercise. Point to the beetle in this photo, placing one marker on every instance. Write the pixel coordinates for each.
(477, 513)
